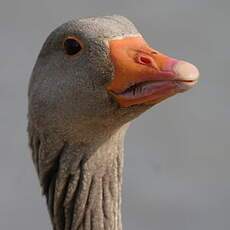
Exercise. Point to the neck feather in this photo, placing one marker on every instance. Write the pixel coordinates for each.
(82, 187)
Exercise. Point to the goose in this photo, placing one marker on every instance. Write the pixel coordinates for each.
(93, 76)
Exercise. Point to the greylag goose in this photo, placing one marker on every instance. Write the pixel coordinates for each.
(92, 77)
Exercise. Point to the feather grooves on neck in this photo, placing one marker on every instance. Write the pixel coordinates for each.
(82, 192)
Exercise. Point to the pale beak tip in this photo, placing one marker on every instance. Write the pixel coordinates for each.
(185, 71)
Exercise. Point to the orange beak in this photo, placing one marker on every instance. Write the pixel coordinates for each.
(145, 76)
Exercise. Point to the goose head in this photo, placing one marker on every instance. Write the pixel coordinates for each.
(92, 77)
(100, 73)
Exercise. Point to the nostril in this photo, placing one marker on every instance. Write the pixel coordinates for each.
(144, 60)
(147, 60)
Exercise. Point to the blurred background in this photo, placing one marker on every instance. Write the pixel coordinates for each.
(177, 155)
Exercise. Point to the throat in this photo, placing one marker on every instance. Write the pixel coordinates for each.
(84, 189)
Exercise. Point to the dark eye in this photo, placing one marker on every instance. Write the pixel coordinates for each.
(72, 46)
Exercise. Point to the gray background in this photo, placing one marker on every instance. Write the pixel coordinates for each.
(177, 154)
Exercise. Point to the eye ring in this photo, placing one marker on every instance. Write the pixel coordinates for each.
(72, 46)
